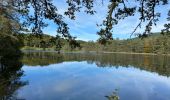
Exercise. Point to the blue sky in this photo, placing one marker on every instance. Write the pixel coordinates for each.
(84, 27)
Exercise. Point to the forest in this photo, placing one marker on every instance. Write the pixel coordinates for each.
(154, 63)
(155, 43)
(104, 68)
(22, 28)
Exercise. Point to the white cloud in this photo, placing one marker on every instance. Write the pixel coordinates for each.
(84, 27)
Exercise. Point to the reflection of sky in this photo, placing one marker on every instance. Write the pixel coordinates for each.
(82, 81)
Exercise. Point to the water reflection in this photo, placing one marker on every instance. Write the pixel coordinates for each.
(90, 76)
(82, 81)
(153, 63)
(10, 74)
(113, 96)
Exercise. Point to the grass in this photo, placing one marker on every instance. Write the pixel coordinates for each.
(35, 48)
(81, 51)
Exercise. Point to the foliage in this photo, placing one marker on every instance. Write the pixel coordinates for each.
(16, 17)
(155, 43)
(10, 44)
(152, 63)
(117, 10)
(48, 42)
(114, 96)
(10, 77)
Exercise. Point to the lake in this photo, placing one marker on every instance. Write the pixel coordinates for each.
(85, 76)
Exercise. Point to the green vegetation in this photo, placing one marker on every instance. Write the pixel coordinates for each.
(10, 44)
(152, 63)
(10, 77)
(28, 16)
(114, 96)
(46, 42)
(31, 14)
(155, 43)
(22, 22)
(117, 10)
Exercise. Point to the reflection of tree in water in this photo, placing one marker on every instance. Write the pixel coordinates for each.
(113, 96)
(153, 63)
(10, 74)
(41, 58)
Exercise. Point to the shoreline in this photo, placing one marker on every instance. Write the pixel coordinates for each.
(140, 53)
(105, 52)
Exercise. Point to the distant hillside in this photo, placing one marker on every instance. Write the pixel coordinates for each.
(155, 43)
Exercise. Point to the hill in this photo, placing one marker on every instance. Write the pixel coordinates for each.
(156, 43)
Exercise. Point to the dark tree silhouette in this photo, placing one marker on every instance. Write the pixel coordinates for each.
(10, 77)
(58, 44)
(117, 10)
(43, 44)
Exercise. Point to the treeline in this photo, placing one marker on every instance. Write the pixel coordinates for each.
(9, 43)
(152, 63)
(156, 43)
(47, 42)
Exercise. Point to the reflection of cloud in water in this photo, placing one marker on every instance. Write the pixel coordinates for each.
(153, 63)
(79, 80)
(64, 85)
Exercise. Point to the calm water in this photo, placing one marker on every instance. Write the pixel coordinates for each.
(49, 76)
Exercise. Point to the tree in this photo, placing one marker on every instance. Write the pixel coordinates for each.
(43, 44)
(58, 44)
(147, 46)
(10, 77)
(117, 10)
(52, 41)
(9, 43)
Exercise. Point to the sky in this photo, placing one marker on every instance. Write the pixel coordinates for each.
(84, 26)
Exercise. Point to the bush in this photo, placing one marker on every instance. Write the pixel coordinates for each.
(9, 45)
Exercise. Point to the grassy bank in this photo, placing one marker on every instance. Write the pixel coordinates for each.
(35, 49)
(138, 53)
